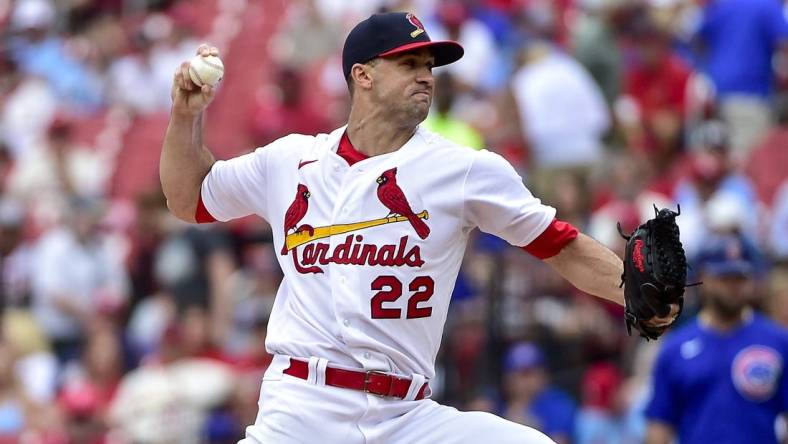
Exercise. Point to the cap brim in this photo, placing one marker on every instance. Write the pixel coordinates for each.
(445, 52)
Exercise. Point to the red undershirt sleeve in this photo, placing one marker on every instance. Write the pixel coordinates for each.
(202, 216)
(552, 240)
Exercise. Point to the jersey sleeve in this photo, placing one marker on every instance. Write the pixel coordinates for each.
(552, 240)
(237, 187)
(664, 404)
(497, 201)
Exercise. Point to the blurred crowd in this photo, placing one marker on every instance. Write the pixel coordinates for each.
(121, 324)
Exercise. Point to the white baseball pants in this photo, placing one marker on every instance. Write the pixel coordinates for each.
(295, 411)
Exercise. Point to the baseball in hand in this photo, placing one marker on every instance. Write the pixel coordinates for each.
(206, 70)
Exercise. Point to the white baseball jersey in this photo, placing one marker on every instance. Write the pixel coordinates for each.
(370, 252)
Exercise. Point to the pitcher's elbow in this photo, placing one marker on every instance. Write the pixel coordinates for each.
(183, 212)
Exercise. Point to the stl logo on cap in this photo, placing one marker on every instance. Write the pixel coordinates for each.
(417, 23)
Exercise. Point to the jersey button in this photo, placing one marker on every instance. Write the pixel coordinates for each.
(343, 280)
(346, 323)
(367, 355)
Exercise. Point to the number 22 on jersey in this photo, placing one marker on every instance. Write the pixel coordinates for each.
(389, 289)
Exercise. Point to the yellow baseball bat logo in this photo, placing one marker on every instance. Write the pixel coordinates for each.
(297, 239)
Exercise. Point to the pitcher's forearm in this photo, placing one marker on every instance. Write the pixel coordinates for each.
(591, 267)
(185, 161)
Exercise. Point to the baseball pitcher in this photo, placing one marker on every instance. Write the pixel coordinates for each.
(370, 224)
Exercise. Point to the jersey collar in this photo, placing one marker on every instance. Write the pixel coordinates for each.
(420, 135)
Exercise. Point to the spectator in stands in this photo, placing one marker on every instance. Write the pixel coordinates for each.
(292, 110)
(529, 398)
(147, 324)
(194, 265)
(60, 166)
(27, 106)
(124, 74)
(149, 229)
(599, 417)
(16, 409)
(249, 363)
(442, 120)
(167, 400)
(453, 21)
(42, 52)
(253, 287)
(778, 228)
(307, 34)
(16, 259)
(595, 46)
(561, 112)
(97, 375)
(35, 366)
(714, 186)
(195, 334)
(651, 108)
(78, 274)
(570, 195)
(622, 199)
(767, 165)
(157, 46)
(460, 368)
(738, 40)
(89, 387)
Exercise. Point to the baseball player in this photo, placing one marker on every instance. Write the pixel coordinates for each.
(370, 224)
(721, 379)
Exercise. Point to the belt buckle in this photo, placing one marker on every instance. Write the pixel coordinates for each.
(379, 373)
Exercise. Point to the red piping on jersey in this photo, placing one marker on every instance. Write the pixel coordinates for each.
(202, 216)
(552, 240)
(348, 152)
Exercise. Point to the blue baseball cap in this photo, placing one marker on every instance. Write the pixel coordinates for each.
(391, 33)
(523, 356)
(729, 255)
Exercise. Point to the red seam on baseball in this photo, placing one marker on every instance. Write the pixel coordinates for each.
(214, 65)
(196, 74)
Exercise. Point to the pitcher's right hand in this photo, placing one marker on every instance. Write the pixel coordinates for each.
(188, 99)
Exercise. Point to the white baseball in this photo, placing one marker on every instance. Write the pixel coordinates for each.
(206, 70)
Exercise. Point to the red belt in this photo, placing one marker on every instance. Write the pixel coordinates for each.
(374, 382)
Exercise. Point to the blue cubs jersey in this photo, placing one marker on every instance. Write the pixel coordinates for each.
(715, 387)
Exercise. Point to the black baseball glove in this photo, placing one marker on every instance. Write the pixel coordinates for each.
(655, 273)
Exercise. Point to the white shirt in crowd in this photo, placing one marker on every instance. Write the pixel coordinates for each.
(562, 111)
(85, 273)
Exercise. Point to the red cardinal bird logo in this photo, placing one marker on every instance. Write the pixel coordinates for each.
(391, 195)
(417, 23)
(296, 212)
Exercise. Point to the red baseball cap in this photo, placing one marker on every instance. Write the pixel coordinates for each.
(391, 33)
